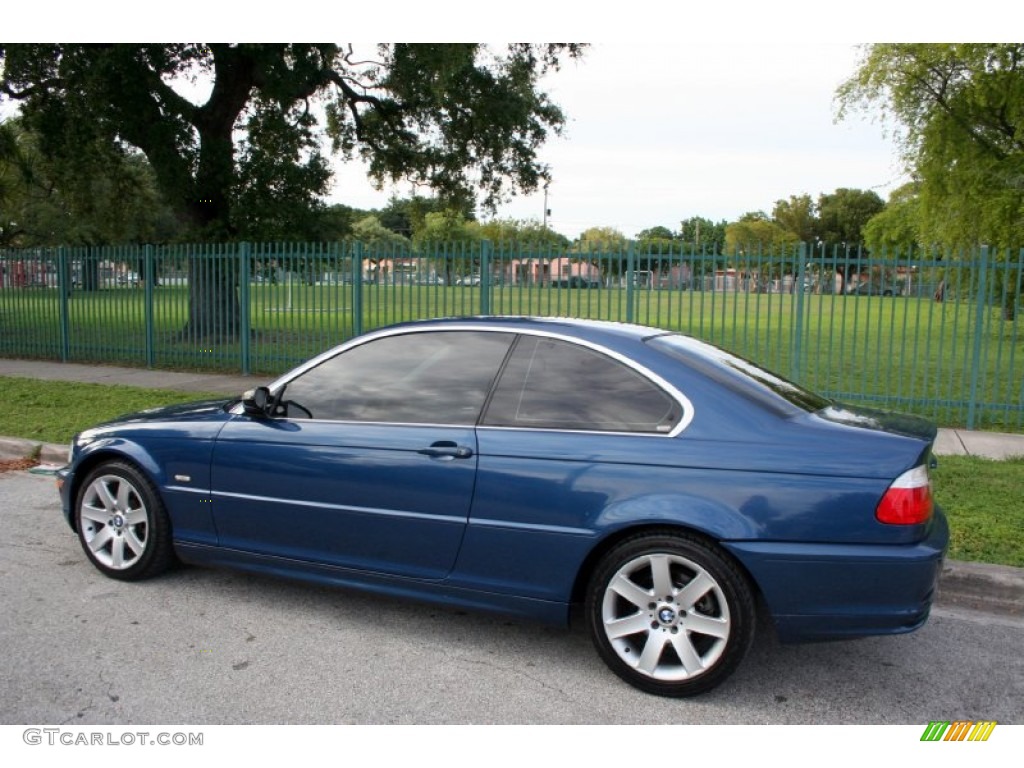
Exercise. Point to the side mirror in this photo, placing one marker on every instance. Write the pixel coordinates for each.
(256, 401)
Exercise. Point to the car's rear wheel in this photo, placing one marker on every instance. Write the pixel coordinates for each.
(122, 523)
(670, 614)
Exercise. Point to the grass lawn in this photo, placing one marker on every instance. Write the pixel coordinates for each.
(985, 505)
(982, 498)
(53, 411)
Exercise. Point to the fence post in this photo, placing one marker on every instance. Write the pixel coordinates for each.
(796, 360)
(64, 288)
(244, 300)
(357, 288)
(630, 279)
(485, 277)
(979, 323)
(149, 280)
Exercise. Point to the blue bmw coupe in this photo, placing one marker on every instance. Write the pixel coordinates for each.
(527, 465)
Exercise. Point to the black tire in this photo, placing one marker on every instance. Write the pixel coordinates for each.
(685, 642)
(122, 523)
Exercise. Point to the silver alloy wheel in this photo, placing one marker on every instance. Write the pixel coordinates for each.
(666, 617)
(115, 522)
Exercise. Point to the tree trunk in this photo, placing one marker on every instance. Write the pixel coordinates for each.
(90, 270)
(213, 311)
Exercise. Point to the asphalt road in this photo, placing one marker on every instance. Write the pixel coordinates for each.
(202, 646)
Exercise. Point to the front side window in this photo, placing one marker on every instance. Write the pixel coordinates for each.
(440, 377)
(555, 384)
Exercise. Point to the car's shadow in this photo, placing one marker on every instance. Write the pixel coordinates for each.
(872, 680)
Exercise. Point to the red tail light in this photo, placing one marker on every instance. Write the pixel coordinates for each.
(908, 500)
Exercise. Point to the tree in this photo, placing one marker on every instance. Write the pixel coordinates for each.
(755, 233)
(447, 227)
(528, 234)
(797, 215)
(604, 246)
(699, 233)
(335, 222)
(460, 119)
(369, 231)
(959, 110)
(406, 215)
(656, 234)
(843, 214)
(653, 245)
(601, 239)
(897, 228)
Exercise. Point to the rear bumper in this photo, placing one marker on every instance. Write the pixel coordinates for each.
(826, 591)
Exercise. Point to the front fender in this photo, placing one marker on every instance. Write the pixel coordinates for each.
(180, 470)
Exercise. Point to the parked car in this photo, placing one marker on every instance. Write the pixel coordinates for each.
(874, 289)
(525, 466)
(577, 281)
(469, 280)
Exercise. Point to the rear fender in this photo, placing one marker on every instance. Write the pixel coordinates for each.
(714, 519)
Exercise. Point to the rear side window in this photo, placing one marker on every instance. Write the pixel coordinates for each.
(740, 375)
(554, 384)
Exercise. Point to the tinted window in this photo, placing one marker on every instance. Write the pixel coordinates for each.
(552, 384)
(424, 378)
(740, 375)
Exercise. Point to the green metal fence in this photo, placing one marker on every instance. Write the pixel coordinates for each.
(936, 334)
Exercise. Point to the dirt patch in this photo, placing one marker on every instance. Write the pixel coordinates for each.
(11, 465)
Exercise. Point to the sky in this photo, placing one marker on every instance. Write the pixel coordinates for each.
(657, 134)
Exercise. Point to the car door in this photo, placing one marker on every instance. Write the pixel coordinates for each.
(372, 464)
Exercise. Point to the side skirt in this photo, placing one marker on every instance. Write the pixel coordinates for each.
(542, 611)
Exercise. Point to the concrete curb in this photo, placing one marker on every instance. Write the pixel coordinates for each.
(47, 453)
(981, 587)
(997, 589)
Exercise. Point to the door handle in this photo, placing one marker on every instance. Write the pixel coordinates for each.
(446, 449)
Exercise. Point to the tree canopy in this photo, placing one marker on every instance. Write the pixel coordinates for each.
(797, 215)
(897, 228)
(526, 233)
(601, 239)
(842, 215)
(702, 233)
(959, 112)
(40, 205)
(755, 232)
(247, 160)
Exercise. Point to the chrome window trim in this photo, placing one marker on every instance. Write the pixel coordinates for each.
(682, 400)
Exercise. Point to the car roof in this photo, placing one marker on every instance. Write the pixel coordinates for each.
(593, 330)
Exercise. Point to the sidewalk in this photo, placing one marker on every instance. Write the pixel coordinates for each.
(133, 377)
(991, 588)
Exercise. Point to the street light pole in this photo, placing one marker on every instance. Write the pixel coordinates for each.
(546, 211)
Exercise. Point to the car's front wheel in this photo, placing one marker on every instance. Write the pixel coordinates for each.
(670, 614)
(122, 523)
